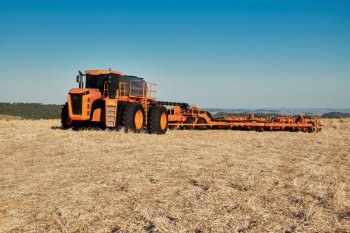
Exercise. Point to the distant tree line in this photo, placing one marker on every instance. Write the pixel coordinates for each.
(31, 110)
(53, 111)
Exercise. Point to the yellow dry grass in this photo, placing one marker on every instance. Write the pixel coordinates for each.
(52, 180)
(9, 118)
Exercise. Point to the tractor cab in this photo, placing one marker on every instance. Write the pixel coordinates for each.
(109, 83)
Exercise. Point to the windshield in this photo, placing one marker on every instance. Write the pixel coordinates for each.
(98, 81)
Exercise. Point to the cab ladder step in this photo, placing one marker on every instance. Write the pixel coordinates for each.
(111, 113)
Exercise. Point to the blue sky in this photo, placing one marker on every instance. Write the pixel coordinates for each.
(244, 54)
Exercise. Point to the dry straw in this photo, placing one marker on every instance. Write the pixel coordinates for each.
(52, 180)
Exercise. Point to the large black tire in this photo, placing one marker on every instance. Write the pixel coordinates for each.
(201, 120)
(260, 129)
(311, 129)
(119, 120)
(189, 120)
(157, 120)
(66, 122)
(131, 119)
(172, 127)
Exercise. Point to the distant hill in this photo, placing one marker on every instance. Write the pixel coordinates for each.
(274, 114)
(336, 115)
(31, 110)
(257, 114)
(281, 111)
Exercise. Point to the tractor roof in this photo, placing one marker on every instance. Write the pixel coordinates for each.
(99, 72)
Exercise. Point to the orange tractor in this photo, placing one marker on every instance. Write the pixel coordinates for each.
(113, 100)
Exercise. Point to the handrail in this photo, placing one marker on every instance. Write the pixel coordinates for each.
(147, 90)
(151, 90)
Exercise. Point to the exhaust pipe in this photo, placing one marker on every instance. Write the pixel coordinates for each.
(80, 80)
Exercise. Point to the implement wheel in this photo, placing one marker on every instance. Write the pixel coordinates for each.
(173, 127)
(66, 122)
(158, 120)
(133, 117)
(260, 129)
(201, 120)
(311, 129)
(189, 120)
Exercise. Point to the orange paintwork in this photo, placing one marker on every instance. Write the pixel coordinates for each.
(96, 116)
(163, 121)
(139, 119)
(87, 101)
(98, 72)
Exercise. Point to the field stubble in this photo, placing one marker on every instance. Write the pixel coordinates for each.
(52, 180)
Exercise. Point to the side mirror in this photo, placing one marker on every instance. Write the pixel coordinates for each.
(78, 78)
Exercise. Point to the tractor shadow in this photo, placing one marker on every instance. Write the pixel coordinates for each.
(80, 128)
(57, 127)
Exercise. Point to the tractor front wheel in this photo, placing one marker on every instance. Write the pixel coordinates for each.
(66, 122)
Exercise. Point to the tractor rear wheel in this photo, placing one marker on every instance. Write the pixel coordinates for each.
(133, 118)
(158, 120)
(66, 122)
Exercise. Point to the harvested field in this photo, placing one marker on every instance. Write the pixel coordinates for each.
(9, 118)
(52, 180)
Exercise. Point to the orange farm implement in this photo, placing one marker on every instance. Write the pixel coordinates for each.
(182, 116)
